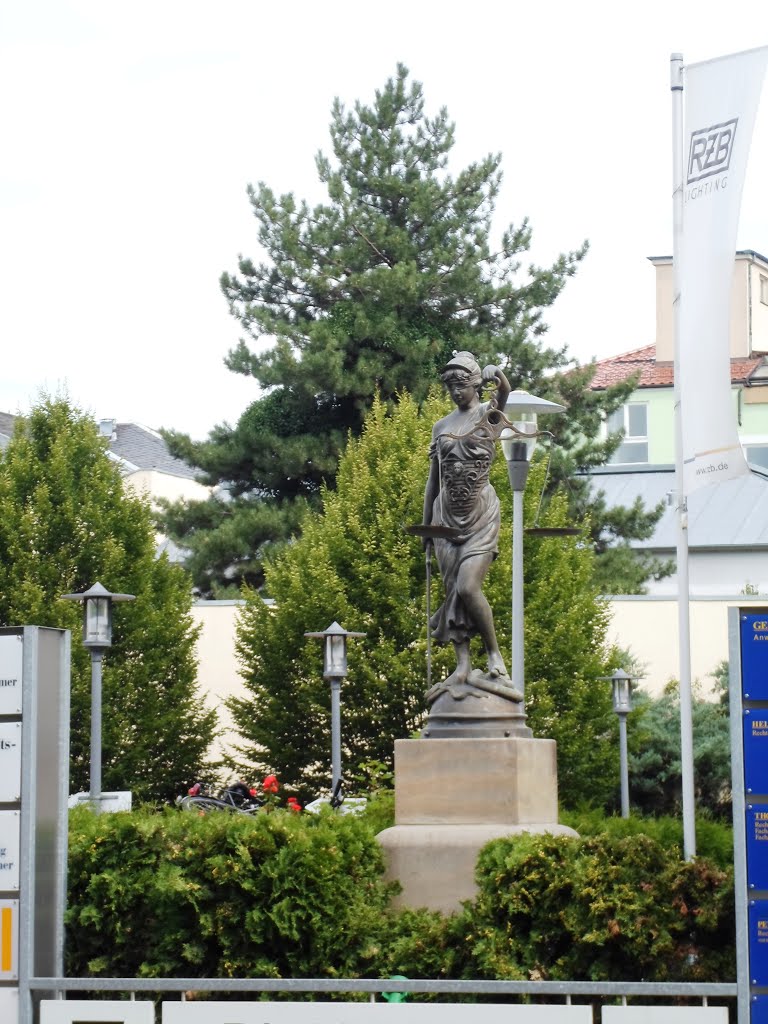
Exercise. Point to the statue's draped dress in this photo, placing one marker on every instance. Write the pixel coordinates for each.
(467, 502)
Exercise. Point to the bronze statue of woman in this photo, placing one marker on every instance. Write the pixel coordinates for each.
(462, 509)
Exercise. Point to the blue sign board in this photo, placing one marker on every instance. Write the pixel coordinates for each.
(757, 846)
(755, 722)
(754, 655)
(758, 942)
(759, 1009)
(753, 710)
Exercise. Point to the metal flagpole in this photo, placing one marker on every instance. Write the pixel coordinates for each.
(683, 591)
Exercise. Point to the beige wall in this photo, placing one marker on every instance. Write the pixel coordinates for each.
(154, 484)
(759, 324)
(749, 316)
(664, 323)
(648, 626)
(217, 662)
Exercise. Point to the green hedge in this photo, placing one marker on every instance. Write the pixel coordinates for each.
(601, 908)
(223, 895)
(714, 838)
(283, 895)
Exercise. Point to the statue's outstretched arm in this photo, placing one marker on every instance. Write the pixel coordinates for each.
(496, 374)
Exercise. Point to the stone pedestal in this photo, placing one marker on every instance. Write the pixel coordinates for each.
(454, 795)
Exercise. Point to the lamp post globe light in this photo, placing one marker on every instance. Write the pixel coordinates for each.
(517, 444)
(622, 705)
(97, 637)
(335, 669)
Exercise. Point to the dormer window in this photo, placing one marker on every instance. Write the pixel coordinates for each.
(632, 418)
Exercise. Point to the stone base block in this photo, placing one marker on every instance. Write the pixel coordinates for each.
(435, 864)
(475, 781)
(452, 796)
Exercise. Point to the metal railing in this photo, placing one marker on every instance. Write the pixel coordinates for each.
(696, 991)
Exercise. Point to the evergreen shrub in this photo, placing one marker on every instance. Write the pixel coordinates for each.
(223, 895)
(281, 895)
(616, 908)
(714, 838)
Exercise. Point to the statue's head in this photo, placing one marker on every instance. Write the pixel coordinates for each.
(463, 366)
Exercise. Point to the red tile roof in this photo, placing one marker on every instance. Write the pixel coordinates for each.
(642, 361)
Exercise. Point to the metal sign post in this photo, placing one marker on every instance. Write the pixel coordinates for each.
(34, 786)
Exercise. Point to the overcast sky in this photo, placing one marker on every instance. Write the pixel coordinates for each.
(130, 132)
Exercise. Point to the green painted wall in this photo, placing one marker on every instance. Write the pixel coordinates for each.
(661, 421)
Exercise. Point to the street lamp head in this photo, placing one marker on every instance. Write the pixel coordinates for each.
(622, 690)
(520, 402)
(97, 614)
(517, 444)
(523, 409)
(334, 650)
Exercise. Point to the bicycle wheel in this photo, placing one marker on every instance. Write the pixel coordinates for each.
(203, 804)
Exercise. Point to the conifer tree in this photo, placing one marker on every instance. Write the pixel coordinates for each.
(66, 522)
(354, 564)
(654, 756)
(370, 292)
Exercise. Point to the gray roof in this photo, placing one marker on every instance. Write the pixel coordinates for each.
(176, 554)
(6, 428)
(146, 449)
(140, 447)
(733, 514)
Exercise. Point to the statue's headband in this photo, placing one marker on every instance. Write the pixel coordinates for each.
(463, 364)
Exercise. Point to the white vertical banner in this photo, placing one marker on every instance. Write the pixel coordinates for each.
(721, 100)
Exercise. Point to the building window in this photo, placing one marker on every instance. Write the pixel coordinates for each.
(757, 455)
(764, 289)
(632, 418)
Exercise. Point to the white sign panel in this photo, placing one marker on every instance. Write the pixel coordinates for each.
(370, 1013)
(106, 1011)
(665, 1015)
(11, 659)
(10, 836)
(120, 800)
(9, 1004)
(10, 762)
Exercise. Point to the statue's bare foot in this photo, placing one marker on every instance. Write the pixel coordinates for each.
(496, 666)
(455, 684)
(459, 676)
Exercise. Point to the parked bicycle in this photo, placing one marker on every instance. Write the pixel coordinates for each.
(243, 799)
(237, 797)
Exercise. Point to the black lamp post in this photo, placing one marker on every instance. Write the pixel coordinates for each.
(97, 637)
(335, 668)
(622, 705)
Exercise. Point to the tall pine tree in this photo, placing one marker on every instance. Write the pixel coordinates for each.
(65, 523)
(370, 292)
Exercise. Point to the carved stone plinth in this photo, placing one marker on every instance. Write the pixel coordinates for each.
(454, 795)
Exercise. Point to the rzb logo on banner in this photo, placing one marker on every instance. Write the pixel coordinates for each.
(711, 150)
